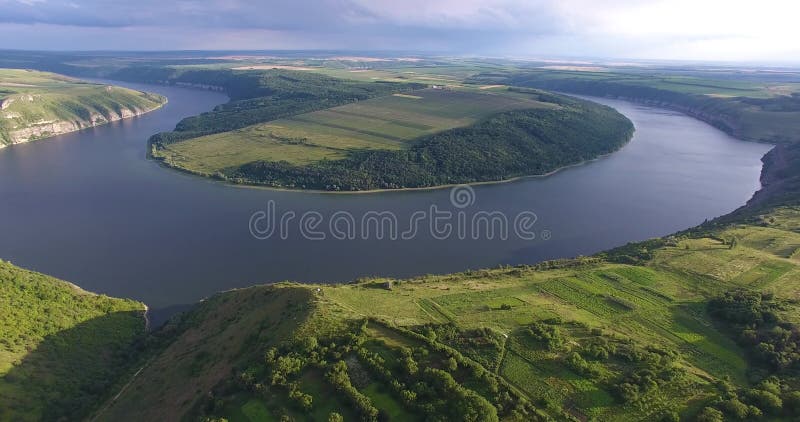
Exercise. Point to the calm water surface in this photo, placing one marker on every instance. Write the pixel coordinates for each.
(88, 207)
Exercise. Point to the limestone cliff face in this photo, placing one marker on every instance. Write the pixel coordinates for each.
(45, 129)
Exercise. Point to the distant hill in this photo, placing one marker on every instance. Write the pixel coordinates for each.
(36, 105)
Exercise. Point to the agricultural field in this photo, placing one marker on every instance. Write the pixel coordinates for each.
(35, 105)
(584, 339)
(385, 123)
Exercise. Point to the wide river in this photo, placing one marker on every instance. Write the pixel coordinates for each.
(89, 207)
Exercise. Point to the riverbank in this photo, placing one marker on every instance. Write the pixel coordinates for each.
(233, 183)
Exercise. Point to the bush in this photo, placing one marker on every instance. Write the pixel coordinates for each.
(735, 408)
(709, 414)
(766, 401)
(791, 402)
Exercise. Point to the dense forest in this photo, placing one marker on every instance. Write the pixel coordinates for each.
(509, 144)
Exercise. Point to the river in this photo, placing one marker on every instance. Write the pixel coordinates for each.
(90, 208)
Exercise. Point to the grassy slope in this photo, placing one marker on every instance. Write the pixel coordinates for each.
(60, 347)
(219, 335)
(657, 305)
(31, 99)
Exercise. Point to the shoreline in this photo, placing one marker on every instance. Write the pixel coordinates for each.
(511, 179)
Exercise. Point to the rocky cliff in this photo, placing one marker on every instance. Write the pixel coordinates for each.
(47, 128)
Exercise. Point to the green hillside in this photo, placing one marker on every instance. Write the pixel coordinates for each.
(35, 105)
(61, 348)
(669, 333)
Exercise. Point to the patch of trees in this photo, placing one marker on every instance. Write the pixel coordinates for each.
(637, 252)
(630, 371)
(755, 319)
(547, 334)
(772, 398)
(337, 376)
(412, 382)
(483, 345)
(506, 145)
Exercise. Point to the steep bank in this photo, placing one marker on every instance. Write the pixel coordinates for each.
(36, 105)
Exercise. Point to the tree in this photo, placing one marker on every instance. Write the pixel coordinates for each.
(670, 416)
(792, 402)
(709, 414)
(335, 417)
(735, 408)
(766, 401)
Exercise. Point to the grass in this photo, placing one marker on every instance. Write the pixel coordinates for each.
(385, 123)
(35, 105)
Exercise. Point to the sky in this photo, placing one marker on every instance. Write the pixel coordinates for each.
(732, 30)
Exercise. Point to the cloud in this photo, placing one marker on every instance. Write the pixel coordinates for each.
(732, 29)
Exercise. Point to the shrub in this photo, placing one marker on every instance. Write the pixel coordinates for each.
(709, 414)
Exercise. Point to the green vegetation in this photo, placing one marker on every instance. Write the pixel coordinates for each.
(61, 348)
(701, 325)
(695, 328)
(35, 105)
(385, 123)
(418, 139)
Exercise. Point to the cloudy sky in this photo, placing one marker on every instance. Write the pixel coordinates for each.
(731, 30)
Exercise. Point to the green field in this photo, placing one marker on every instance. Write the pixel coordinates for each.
(385, 123)
(35, 105)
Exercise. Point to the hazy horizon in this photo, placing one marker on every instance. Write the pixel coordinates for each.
(682, 30)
